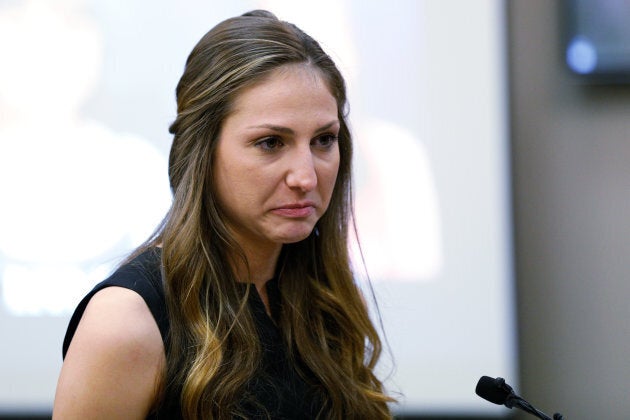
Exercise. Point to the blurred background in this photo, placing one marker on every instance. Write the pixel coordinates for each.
(492, 182)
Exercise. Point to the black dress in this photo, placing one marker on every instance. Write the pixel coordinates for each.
(280, 392)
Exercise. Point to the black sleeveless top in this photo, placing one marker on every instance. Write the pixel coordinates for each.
(279, 391)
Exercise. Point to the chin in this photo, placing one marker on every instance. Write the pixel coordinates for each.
(295, 236)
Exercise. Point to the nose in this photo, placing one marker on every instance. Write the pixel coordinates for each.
(301, 172)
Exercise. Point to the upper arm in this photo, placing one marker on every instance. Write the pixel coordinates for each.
(114, 362)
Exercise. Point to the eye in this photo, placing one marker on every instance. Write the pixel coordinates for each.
(325, 141)
(269, 144)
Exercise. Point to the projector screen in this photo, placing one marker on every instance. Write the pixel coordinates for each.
(86, 97)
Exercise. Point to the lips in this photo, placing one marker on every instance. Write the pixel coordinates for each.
(295, 210)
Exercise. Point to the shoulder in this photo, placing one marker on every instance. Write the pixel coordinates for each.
(114, 362)
(120, 318)
(141, 275)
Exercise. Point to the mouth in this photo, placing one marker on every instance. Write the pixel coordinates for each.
(295, 210)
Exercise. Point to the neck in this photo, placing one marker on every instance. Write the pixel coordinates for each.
(262, 266)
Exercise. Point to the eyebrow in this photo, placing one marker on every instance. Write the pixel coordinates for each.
(286, 130)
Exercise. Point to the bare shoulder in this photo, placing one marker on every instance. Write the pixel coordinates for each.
(115, 359)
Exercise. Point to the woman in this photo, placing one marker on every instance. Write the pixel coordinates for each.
(243, 304)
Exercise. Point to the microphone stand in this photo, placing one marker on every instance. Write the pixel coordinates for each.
(514, 400)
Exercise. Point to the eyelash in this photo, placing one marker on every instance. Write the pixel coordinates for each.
(331, 138)
(265, 143)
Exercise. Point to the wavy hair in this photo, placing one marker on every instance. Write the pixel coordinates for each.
(213, 350)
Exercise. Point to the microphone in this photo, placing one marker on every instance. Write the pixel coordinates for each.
(498, 392)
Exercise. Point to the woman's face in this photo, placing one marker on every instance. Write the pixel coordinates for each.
(277, 158)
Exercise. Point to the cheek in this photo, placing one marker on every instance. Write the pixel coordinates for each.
(242, 187)
(328, 179)
(234, 187)
(228, 182)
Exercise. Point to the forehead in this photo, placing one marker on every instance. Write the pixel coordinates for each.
(282, 84)
(291, 96)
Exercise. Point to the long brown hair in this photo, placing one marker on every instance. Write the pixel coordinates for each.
(212, 350)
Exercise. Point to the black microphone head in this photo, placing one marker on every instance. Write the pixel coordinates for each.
(494, 390)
